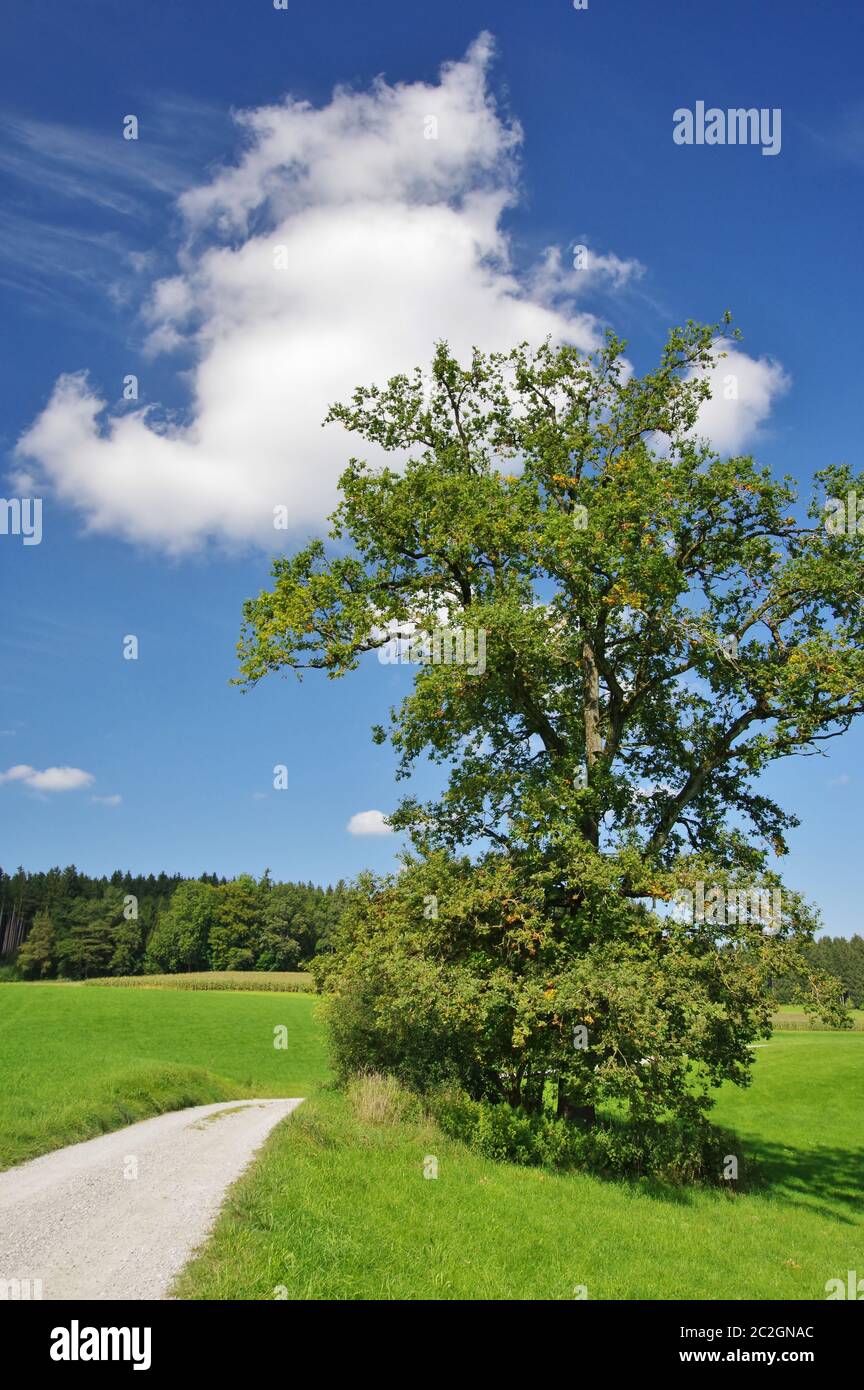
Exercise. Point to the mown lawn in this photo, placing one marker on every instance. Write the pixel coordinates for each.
(77, 1062)
(338, 1208)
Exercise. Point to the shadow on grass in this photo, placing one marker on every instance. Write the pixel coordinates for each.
(824, 1180)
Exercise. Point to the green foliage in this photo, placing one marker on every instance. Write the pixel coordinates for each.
(232, 936)
(591, 629)
(839, 956)
(673, 1152)
(660, 627)
(76, 927)
(37, 957)
(181, 936)
(498, 1131)
(287, 934)
(604, 1003)
(94, 933)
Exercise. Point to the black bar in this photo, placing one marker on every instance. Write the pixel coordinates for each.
(677, 1338)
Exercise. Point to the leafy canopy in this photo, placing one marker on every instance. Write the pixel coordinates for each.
(660, 625)
(655, 616)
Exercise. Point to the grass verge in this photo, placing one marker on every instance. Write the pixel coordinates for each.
(337, 1206)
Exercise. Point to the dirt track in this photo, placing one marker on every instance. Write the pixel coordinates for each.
(119, 1216)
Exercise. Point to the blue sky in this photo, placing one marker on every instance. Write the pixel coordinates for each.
(145, 257)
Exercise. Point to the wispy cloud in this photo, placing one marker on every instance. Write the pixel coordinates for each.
(26, 633)
(35, 252)
(86, 165)
(51, 779)
(78, 201)
(842, 137)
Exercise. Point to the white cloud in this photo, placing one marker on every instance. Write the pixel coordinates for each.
(552, 280)
(114, 800)
(52, 779)
(743, 392)
(368, 823)
(391, 240)
(19, 773)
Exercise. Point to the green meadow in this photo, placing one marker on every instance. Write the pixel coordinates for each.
(337, 1206)
(76, 1062)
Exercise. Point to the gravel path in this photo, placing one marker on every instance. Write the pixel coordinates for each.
(119, 1216)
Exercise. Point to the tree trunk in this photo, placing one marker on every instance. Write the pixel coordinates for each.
(593, 736)
(568, 1110)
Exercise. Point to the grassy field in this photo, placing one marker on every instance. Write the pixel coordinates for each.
(789, 1017)
(77, 1062)
(258, 981)
(338, 1208)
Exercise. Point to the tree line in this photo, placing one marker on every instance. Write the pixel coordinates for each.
(840, 956)
(177, 924)
(68, 925)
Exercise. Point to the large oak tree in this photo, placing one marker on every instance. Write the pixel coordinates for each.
(661, 624)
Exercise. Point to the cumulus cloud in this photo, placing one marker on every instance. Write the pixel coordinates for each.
(52, 779)
(743, 392)
(369, 823)
(344, 241)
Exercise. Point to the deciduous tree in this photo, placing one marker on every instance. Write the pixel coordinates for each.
(662, 623)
